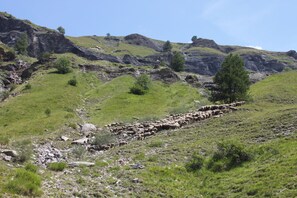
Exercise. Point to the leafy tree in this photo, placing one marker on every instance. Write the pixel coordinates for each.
(141, 85)
(22, 44)
(63, 65)
(177, 62)
(167, 47)
(61, 30)
(232, 80)
(108, 35)
(194, 38)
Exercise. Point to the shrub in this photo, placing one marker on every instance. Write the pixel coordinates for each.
(22, 44)
(63, 65)
(57, 166)
(24, 182)
(9, 56)
(28, 86)
(103, 138)
(25, 151)
(196, 163)
(141, 85)
(79, 152)
(227, 156)
(48, 112)
(72, 82)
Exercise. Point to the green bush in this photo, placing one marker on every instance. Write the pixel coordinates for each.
(31, 167)
(72, 82)
(24, 182)
(227, 156)
(22, 44)
(63, 65)
(57, 166)
(103, 138)
(48, 112)
(141, 85)
(196, 163)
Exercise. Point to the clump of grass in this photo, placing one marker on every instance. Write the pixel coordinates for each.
(31, 167)
(48, 112)
(24, 182)
(28, 86)
(25, 151)
(79, 152)
(57, 166)
(156, 143)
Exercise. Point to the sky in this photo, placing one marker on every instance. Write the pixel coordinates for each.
(263, 24)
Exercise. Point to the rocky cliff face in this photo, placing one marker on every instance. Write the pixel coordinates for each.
(203, 56)
(42, 39)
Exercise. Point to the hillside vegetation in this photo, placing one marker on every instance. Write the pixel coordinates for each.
(266, 127)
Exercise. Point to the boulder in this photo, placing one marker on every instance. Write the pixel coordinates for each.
(11, 153)
(81, 163)
(81, 141)
(88, 128)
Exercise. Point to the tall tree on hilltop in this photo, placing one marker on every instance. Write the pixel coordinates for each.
(232, 80)
(61, 30)
(167, 47)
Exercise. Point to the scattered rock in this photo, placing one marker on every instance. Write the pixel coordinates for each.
(7, 158)
(11, 153)
(81, 141)
(47, 153)
(136, 180)
(81, 163)
(137, 166)
(64, 138)
(88, 127)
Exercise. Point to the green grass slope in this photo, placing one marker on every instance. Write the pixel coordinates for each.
(107, 102)
(266, 127)
(112, 102)
(99, 44)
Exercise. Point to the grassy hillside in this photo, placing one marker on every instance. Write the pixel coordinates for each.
(99, 44)
(266, 127)
(25, 115)
(112, 101)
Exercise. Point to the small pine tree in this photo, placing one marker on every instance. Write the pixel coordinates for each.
(194, 38)
(232, 80)
(61, 30)
(22, 44)
(177, 62)
(167, 47)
